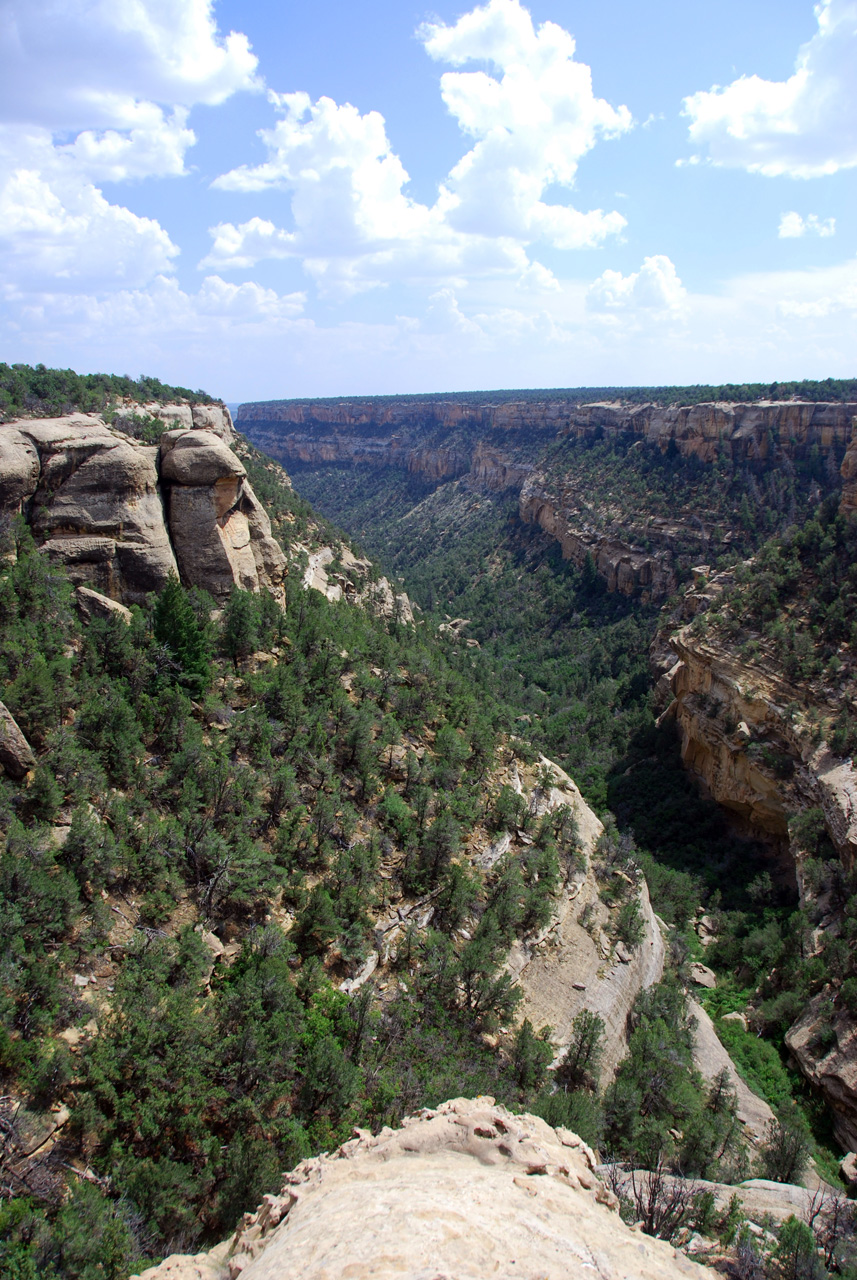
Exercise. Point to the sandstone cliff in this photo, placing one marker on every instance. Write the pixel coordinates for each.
(746, 734)
(468, 1190)
(701, 430)
(122, 515)
(501, 447)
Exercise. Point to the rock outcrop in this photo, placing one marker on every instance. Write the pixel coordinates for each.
(573, 965)
(743, 739)
(829, 1064)
(16, 754)
(468, 1190)
(92, 604)
(710, 1058)
(848, 471)
(220, 530)
(499, 447)
(741, 431)
(624, 566)
(122, 515)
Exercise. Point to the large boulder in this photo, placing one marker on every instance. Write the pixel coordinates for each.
(220, 531)
(468, 1190)
(121, 516)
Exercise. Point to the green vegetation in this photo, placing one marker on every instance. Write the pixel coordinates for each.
(568, 658)
(27, 392)
(267, 787)
(182, 795)
(839, 389)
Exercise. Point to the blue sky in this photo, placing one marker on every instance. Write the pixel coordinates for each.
(270, 199)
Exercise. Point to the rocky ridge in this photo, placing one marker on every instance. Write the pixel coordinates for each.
(123, 515)
(465, 1190)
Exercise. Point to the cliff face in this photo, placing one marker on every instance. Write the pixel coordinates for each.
(742, 736)
(702, 430)
(500, 447)
(468, 1190)
(122, 515)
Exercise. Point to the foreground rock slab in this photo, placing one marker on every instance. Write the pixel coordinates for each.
(468, 1190)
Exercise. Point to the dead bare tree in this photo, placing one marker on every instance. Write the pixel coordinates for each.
(664, 1204)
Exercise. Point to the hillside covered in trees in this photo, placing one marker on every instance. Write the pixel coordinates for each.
(263, 879)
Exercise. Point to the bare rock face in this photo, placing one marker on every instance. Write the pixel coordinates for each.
(570, 967)
(710, 1058)
(738, 738)
(92, 604)
(468, 1190)
(19, 471)
(16, 754)
(221, 533)
(122, 515)
(96, 506)
(848, 502)
(831, 1067)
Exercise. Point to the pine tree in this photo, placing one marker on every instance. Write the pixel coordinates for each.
(175, 626)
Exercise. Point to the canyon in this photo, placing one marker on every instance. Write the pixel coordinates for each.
(500, 448)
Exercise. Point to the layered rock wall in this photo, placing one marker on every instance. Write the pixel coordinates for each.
(744, 740)
(122, 515)
(349, 431)
(497, 448)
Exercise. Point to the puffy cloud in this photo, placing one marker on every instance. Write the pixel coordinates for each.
(94, 63)
(792, 226)
(655, 287)
(533, 124)
(355, 226)
(805, 126)
(155, 147)
(99, 90)
(57, 226)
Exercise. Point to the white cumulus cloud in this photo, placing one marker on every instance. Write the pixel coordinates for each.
(94, 91)
(533, 122)
(355, 225)
(805, 126)
(92, 63)
(54, 225)
(655, 287)
(793, 226)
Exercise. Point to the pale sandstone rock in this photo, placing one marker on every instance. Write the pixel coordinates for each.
(703, 976)
(97, 507)
(563, 970)
(391, 434)
(848, 502)
(848, 1168)
(721, 707)
(466, 1191)
(710, 1058)
(95, 500)
(16, 754)
(740, 1018)
(19, 470)
(221, 533)
(92, 604)
(758, 1196)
